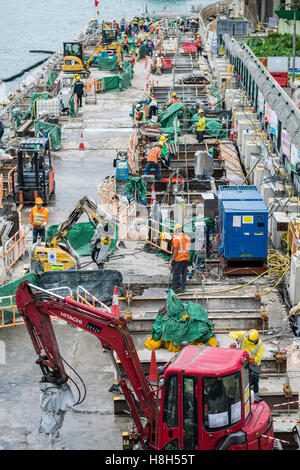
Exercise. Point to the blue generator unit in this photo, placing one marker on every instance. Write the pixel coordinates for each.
(243, 228)
(235, 193)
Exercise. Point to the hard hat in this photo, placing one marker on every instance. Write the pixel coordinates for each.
(138, 106)
(39, 200)
(163, 139)
(253, 336)
(201, 111)
(125, 35)
(177, 227)
(173, 94)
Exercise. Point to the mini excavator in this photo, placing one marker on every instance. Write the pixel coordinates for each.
(200, 399)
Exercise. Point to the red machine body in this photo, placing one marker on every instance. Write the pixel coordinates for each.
(203, 401)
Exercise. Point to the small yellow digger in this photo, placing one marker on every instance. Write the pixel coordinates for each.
(57, 254)
(74, 61)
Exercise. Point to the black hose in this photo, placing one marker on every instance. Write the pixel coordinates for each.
(35, 51)
(9, 79)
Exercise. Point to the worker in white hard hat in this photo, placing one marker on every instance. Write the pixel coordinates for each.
(200, 126)
(181, 248)
(249, 341)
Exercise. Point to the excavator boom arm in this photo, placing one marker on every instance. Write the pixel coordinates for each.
(111, 330)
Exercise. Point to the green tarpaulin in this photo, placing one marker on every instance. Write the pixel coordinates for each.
(170, 326)
(107, 63)
(54, 133)
(167, 118)
(79, 236)
(136, 189)
(31, 110)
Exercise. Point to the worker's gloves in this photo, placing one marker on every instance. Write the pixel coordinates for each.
(251, 359)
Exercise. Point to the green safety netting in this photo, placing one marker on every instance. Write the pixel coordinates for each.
(178, 322)
(11, 289)
(107, 63)
(31, 110)
(74, 106)
(126, 76)
(51, 79)
(136, 189)
(54, 132)
(79, 236)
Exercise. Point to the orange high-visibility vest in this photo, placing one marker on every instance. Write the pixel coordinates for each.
(38, 216)
(139, 42)
(183, 244)
(125, 42)
(174, 100)
(154, 154)
(199, 42)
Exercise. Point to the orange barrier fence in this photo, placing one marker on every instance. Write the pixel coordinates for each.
(14, 248)
(85, 297)
(11, 307)
(93, 86)
(159, 235)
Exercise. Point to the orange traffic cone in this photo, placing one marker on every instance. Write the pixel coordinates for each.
(153, 195)
(115, 309)
(153, 374)
(81, 145)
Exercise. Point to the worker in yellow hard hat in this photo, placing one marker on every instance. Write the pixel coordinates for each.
(174, 99)
(249, 341)
(181, 248)
(38, 220)
(200, 126)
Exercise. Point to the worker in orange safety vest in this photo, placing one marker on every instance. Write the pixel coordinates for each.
(199, 45)
(181, 248)
(174, 99)
(38, 220)
(125, 44)
(153, 157)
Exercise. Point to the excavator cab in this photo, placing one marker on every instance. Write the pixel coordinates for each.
(74, 58)
(206, 403)
(109, 36)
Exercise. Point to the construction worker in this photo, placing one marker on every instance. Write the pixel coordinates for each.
(125, 44)
(153, 108)
(139, 116)
(150, 46)
(78, 90)
(199, 45)
(249, 341)
(200, 126)
(38, 220)
(165, 155)
(174, 99)
(181, 248)
(44, 133)
(158, 65)
(132, 59)
(153, 157)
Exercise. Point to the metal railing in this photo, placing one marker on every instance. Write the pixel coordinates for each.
(85, 297)
(157, 235)
(11, 307)
(14, 248)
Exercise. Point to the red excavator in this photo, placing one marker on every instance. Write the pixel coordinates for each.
(202, 397)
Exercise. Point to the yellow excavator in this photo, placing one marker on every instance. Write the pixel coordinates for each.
(74, 59)
(57, 254)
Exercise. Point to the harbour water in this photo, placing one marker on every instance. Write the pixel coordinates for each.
(42, 25)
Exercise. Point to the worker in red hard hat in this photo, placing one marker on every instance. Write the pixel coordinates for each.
(38, 220)
(249, 341)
